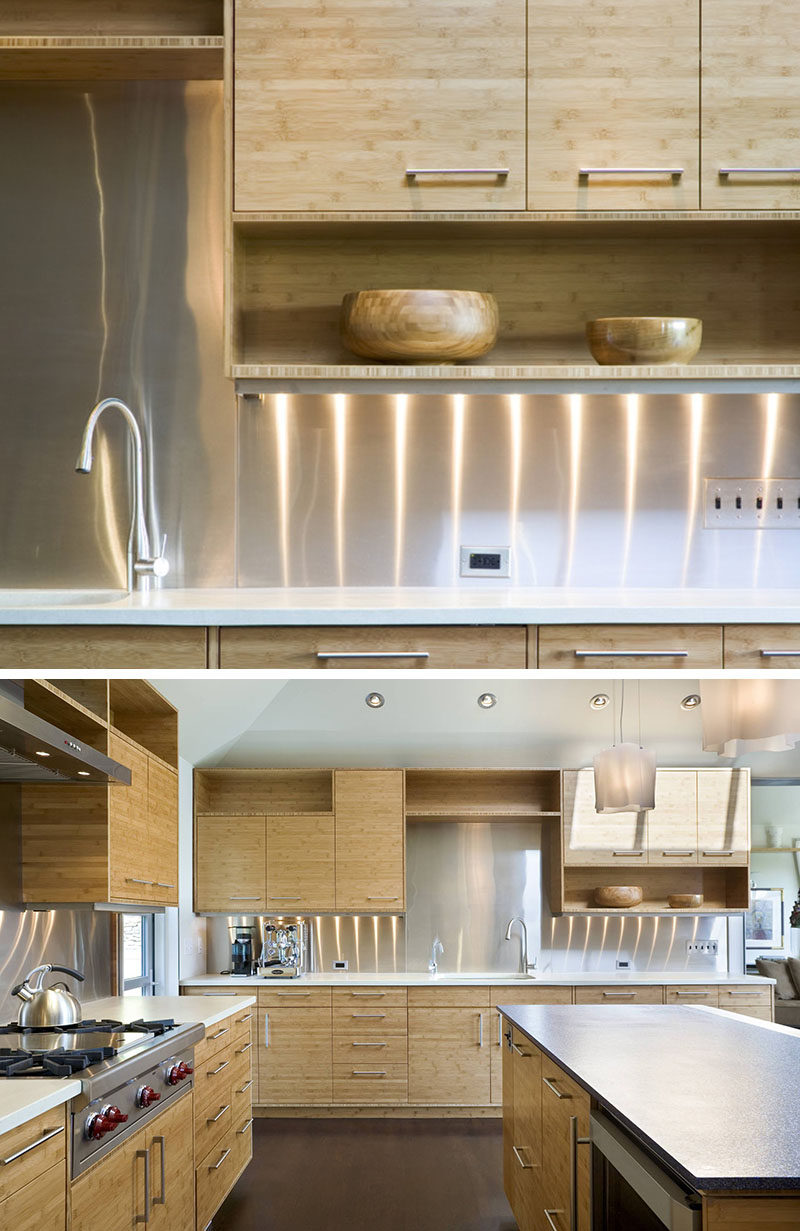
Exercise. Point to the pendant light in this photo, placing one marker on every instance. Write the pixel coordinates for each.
(755, 715)
(625, 774)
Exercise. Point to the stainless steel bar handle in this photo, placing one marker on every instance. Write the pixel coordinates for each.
(164, 885)
(696, 994)
(517, 1152)
(219, 1114)
(547, 1214)
(499, 1031)
(780, 653)
(245, 1087)
(665, 854)
(759, 171)
(574, 1142)
(628, 854)
(383, 899)
(245, 1127)
(294, 994)
(219, 1033)
(525, 1054)
(714, 854)
(480, 1030)
(369, 1044)
(373, 654)
(145, 1217)
(558, 1093)
(274, 897)
(48, 1133)
(369, 1072)
(367, 1014)
(241, 899)
(500, 171)
(217, 1166)
(162, 1200)
(266, 1029)
(626, 994)
(368, 993)
(218, 1069)
(675, 172)
(241, 1050)
(247, 1018)
(136, 880)
(631, 653)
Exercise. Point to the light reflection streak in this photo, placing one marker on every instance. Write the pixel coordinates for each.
(515, 475)
(101, 220)
(282, 445)
(695, 444)
(631, 468)
(655, 923)
(340, 445)
(400, 454)
(377, 947)
(356, 922)
(337, 934)
(771, 417)
(587, 933)
(575, 437)
(394, 942)
(671, 942)
(457, 481)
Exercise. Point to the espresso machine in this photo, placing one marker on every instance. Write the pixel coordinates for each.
(242, 963)
(284, 948)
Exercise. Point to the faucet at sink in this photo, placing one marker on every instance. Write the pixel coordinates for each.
(141, 565)
(432, 964)
(525, 967)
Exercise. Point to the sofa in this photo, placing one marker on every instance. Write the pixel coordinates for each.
(786, 973)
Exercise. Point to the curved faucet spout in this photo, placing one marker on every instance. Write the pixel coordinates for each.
(525, 966)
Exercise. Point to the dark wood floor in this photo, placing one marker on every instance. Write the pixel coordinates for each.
(371, 1175)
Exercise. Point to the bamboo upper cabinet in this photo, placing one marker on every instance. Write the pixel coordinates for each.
(751, 105)
(335, 103)
(589, 838)
(300, 863)
(230, 864)
(723, 817)
(613, 105)
(370, 840)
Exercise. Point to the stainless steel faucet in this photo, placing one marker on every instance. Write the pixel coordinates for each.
(142, 566)
(432, 964)
(524, 965)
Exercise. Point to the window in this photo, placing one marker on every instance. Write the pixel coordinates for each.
(137, 954)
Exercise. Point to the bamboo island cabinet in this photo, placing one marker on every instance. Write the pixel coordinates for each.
(110, 843)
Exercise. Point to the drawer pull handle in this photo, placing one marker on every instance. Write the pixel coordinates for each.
(241, 1050)
(48, 1133)
(135, 880)
(628, 854)
(354, 1044)
(740, 995)
(517, 1152)
(294, 993)
(548, 1215)
(219, 1114)
(213, 1072)
(780, 653)
(552, 1086)
(241, 1131)
(500, 172)
(164, 885)
(257, 898)
(373, 654)
(217, 1166)
(273, 897)
(675, 172)
(248, 1017)
(714, 854)
(369, 1072)
(759, 171)
(702, 995)
(526, 1055)
(219, 1033)
(382, 899)
(628, 994)
(631, 653)
(367, 1014)
(245, 1087)
(368, 993)
(669, 854)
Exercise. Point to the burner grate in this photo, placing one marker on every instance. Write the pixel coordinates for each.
(57, 1063)
(92, 1026)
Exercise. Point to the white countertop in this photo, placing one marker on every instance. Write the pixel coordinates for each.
(22, 1100)
(180, 1008)
(419, 979)
(469, 604)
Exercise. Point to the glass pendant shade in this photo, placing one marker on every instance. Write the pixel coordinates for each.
(625, 779)
(750, 715)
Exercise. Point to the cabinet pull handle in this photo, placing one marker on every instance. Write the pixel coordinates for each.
(619, 994)
(248, 1017)
(241, 1050)
(499, 1031)
(162, 1200)
(675, 172)
(369, 1072)
(219, 1114)
(759, 171)
(574, 1142)
(367, 1014)
(739, 995)
(164, 885)
(714, 854)
(480, 1030)
(257, 898)
(145, 1217)
(780, 653)
(219, 1033)
(136, 880)
(294, 993)
(274, 897)
(217, 1166)
(551, 1085)
(266, 1029)
(517, 1152)
(547, 1214)
(500, 172)
(218, 1069)
(703, 994)
(631, 654)
(526, 1055)
(373, 654)
(368, 993)
(628, 854)
(245, 1087)
(354, 1044)
(241, 1131)
(667, 854)
(48, 1133)
(383, 899)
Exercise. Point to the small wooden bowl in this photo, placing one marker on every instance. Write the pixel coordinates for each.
(684, 901)
(423, 325)
(618, 895)
(644, 339)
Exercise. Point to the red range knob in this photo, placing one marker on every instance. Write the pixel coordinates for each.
(114, 1116)
(146, 1096)
(97, 1126)
(178, 1072)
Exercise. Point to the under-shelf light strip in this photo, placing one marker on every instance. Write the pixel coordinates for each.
(400, 463)
(282, 445)
(771, 421)
(575, 436)
(457, 481)
(631, 470)
(695, 452)
(340, 436)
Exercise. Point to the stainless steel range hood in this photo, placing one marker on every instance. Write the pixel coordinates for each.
(33, 750)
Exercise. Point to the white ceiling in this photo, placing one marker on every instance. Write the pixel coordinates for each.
(323, 720)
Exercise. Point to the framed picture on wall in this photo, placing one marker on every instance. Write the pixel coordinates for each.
(763, 922)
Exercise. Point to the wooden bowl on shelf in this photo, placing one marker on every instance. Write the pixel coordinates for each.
(684, 901)
(644, 339)
(618, 896)
(419, 326)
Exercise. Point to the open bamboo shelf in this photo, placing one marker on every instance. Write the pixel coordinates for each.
(724, 890)
(261, 792)
(478, 794)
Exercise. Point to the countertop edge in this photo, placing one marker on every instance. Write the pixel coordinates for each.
(169, 1006)
(411, 979)
(60, 1091)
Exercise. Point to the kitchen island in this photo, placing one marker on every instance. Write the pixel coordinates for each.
(711, 1098)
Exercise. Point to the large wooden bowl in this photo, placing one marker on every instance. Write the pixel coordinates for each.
(644, 339)
(617, 896)
(425, 325)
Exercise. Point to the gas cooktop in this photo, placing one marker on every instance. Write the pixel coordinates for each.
(59, 1051)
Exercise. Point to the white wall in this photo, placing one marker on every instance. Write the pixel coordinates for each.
(777, 805)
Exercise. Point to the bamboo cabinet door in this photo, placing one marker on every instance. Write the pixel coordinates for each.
(170, 1141)
(300, 863)
(295, 1056)
(592, 839)
(526, 1148)
(672, 824)
(111, 1196)
(614, 87)
(162, 832)
(335, 102)
(723, 817)
(563, 1101)
(230, 864)
(750, 103)
(449, 1056)
(370, 840)
(129, 853)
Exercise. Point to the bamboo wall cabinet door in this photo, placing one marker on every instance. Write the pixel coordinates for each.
(230, 864)
(335, 103)
(613, 89)
(370, 840)
(589, 838)
(672, 824)
(750, 102)
(524, 1124)
(162, 832)
(449, 1047)
(565, 1114)
(300, 863)
(129, 843)
(295, 1047)
(723, 817)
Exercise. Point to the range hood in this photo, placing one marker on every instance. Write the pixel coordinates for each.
(33, 750)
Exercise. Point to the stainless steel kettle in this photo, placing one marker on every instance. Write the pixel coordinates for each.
(47, 1006)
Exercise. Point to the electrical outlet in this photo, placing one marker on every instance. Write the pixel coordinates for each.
(485, 561)
(624, 963)
(752, 504)
(704, 948)
(339, 965)
(188, 946)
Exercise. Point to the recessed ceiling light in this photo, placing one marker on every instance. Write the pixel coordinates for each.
(83, 773)
(691, 702)
(487, 700)
(600, 700)
(39, 753)
(375, 700)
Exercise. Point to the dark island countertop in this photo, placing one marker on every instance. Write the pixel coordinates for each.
(713, 1095)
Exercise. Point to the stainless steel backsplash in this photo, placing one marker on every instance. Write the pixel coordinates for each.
(80, 939)
(112, 283)
(465, 880)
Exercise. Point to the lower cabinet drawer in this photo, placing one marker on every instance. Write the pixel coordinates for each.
(242, 1142)
(690, 994)
(30, 1149)
(370, 1082)
(388, 646)
(750, 1010)
(211, 1124)
(619, 995)
(242, 1061)
(370, 1019)
(530, 995)
(104, 646)
(40, 1205)
(243, 1095)
(243, 1025)
(214, 1178)
(212, 1080)
(217, 1039)
(370, 1051)
(762, 647)
(589, 646)
(742, 994)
